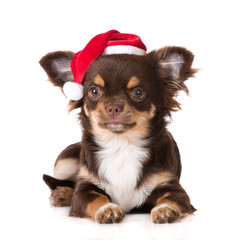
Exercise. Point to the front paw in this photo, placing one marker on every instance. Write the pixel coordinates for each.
(165, 214)
(109, 213)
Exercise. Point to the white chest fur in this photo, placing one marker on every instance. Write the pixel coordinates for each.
(120, 166)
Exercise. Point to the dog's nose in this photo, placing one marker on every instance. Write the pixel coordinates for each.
(113, 110)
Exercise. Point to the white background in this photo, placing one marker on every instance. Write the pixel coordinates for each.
(35, 126)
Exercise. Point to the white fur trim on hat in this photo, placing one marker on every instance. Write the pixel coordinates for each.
(123, 49)
(73, 91)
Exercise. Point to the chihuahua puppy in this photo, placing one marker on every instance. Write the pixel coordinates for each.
(127, 161)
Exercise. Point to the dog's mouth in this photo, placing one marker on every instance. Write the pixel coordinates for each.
(116, 126)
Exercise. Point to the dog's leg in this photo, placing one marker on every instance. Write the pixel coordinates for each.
(65, 171)
(62, 191)
(62, 185)
(67, 163)
(61, 196)
(169, 203)
(91, 202)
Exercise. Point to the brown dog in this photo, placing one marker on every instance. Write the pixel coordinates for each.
(127, 160)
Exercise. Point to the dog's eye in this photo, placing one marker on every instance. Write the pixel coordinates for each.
(138, 94)
(95, 93)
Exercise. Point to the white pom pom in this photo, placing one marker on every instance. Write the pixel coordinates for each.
(73, 91)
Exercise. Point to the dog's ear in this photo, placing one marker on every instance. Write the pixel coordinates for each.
(175, 67)
(57, 65)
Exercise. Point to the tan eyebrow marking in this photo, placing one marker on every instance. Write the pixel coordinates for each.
(99, 81)
(133, 82)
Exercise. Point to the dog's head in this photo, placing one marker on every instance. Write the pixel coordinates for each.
(126, 92)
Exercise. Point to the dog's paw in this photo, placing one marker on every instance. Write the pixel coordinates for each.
(61, 196)
(165, 214)
(109, 213)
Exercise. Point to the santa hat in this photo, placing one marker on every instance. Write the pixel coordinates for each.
(111, 42)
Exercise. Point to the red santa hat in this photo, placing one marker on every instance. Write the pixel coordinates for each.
(111, 42)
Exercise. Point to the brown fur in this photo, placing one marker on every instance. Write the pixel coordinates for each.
(61, 196)
(94, 206)
(133, 82)
(136, 93)
(107, 214)
(99, 81)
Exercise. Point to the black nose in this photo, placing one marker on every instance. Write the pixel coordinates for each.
(113, 110)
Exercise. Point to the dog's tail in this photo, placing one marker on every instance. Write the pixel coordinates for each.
(53, 183)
